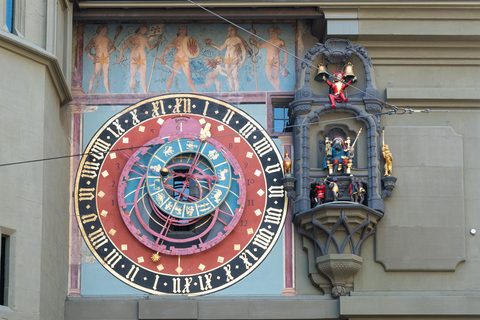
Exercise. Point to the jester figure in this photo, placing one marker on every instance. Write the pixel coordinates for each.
(336, 88)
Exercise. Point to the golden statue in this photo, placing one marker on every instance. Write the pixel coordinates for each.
(387, 155)
(287, 164)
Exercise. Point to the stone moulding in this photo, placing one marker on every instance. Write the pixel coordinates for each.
(337, 231)
(40, 55)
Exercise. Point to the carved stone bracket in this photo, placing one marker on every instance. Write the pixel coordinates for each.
(337, 231)
(388, 183)
(289, 186)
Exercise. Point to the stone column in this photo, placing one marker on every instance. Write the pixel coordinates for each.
(289, 183)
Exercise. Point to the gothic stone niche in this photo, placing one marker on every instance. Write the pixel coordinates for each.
(338, 195)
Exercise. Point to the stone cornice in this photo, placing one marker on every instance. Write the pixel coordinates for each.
(28, 50)
(245, 3)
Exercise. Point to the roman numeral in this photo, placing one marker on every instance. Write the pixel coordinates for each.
(86, 194)
(228, 116)
(273, 168)
(247, 129)
(155, 108)
(135, 120)
(186, 103)
(132, 273)
(89, 218)
(262, 147)
(273, 215)
(276, 192)
(263, 238)
(186, 287)
(112, 258)
(98, 238)
(89, 170)
(208, 282)
(228, 272)
(99, 149)
(246, 261)
(119, 128)
(176, 285)
(206, 108)
(157, 277)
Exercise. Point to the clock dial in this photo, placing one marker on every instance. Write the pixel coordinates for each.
(180, 194)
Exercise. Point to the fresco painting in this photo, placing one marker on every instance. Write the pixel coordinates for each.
(158, 58)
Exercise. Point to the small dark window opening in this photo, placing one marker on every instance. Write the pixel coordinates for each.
(280, 117)
(9, 17)
(3, 269)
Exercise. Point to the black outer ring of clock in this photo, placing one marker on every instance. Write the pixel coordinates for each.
(175, 284)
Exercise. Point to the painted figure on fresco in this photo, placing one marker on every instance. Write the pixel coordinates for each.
(103, 47)
(138, 59)
(212, 76)
(337, 87)
(235, 55)
(186, 47)
(274, 47)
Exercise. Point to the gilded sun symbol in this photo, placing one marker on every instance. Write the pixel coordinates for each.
(155, 257)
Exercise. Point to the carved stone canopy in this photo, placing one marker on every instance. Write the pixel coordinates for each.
(334, 230)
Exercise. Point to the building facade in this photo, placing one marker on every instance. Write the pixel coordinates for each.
(239, 160)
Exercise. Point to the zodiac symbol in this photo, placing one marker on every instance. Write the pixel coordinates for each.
(190, 210)
(205, 207)
(213, 154)
(168, 151)
(160, 197)
(168, 206)
(156, 168)
(191, 145)
(222, 174)
(216, 196)
(178, 210)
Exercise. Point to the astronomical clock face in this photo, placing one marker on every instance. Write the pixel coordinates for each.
(180, 194)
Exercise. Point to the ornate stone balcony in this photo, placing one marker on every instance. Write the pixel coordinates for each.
(337, 231)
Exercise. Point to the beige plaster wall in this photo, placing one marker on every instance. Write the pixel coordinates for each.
(424, 58)
(35, 195)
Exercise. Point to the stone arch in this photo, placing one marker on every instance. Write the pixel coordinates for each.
(374, 200)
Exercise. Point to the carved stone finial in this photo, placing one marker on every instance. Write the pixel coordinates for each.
(339, 268)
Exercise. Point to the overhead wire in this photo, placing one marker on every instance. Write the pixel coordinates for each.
(394, 109)
(289, 53)
(152, 145)
(406, 111)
